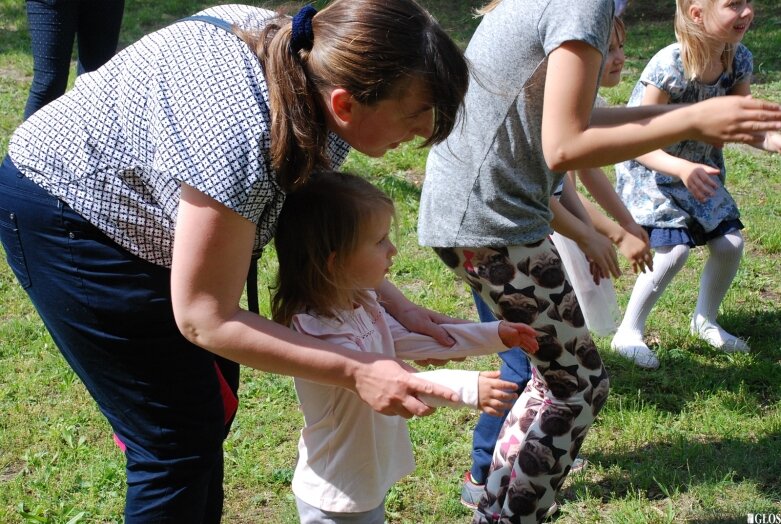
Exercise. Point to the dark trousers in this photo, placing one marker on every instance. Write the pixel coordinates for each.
(54, 25)
(110, 315)
(515, 368)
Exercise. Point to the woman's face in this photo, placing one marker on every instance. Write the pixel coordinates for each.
(374, 129)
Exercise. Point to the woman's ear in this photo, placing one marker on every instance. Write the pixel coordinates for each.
(343, 106)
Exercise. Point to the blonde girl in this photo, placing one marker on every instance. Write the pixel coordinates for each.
(678, 193)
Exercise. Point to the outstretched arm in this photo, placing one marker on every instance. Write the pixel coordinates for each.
(211, 257)
(571, 141)
(770, 141)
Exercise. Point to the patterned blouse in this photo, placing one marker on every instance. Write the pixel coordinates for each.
(659, 200)
(186, 104)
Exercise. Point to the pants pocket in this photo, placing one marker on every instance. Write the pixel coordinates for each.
(9, 235)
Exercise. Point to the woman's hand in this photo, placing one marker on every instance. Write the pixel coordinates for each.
(390, 387)
(494, 395)
(515, 334)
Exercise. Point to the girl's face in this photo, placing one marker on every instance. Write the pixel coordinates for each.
(614, 63)
(374, 129)
(727, 20)
(373, 257)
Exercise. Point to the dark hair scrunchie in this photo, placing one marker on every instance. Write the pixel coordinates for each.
(301, 35)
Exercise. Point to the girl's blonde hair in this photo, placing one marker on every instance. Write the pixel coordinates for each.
(327, 215)
(371, 48)
(696, 54)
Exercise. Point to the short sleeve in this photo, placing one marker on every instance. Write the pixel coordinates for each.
(588, 21)
(665, 72)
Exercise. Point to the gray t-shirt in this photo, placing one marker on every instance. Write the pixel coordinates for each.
(488, 183)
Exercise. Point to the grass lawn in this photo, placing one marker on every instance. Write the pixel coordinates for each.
(698, 440)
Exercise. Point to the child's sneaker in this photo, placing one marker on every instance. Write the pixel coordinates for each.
(471, 492)
(633, 348)
(715, 335)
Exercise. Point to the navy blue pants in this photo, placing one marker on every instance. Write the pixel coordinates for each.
(54, 25)
(515, 368)
(110, 315)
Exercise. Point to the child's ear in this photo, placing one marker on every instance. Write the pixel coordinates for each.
(343, 105)
(695, 12)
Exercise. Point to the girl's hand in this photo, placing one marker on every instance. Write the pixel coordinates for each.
(495, 396)
(635, 246)
(600, 253)
(514, 334)
(701, 181)
(772, 142)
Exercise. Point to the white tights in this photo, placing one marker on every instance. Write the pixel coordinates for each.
(720, 269)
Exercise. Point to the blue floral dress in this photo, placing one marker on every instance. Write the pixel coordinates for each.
(660, 202)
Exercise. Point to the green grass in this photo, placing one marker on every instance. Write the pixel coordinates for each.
(698, 440)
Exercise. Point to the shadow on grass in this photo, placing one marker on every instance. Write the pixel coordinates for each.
(680, 466)
(691, 370)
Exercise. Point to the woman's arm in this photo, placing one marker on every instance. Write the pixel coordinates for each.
(570, 141)
(212, 251)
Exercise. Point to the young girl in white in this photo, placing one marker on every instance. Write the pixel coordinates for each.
(678, 193)
(334, 249)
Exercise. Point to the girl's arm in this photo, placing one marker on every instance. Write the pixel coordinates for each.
(570, 141)
(414, 317)
(598, 248)
(211, 256)
(471, 339)
(700, 179)
(482, 390)
(627, 235)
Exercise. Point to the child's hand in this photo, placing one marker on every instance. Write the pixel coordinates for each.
(772, 142)
(514, 334)
(495, 396)
(601, 255)
(636, 247)
(701, 181)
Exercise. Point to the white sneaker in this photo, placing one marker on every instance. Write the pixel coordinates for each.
(634, 349)
(715, 335)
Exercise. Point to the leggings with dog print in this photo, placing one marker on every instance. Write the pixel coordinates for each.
(544, 430)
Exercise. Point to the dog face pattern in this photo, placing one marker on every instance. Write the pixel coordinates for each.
(566, 308)
(519, 305)
(549, 422)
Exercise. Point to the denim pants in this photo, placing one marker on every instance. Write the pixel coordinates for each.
(110, 315)
(515, 368)
(54, 25)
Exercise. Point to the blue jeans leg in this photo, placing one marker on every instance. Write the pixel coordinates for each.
(110, 315)
(515, 368)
